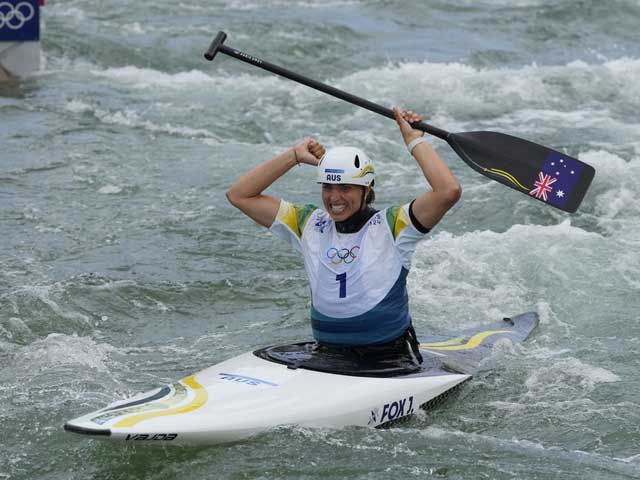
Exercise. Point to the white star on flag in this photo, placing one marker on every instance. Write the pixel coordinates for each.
(560, 193)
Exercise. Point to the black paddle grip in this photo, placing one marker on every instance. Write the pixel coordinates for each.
(219, 39)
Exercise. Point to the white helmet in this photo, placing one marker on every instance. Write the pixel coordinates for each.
(346, 165)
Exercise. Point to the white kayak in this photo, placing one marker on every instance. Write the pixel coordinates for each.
(253, 393)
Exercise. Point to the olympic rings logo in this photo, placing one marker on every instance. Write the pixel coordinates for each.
(15, 17)
(343, 255)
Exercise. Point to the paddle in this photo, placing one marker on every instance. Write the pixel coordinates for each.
(540, 172)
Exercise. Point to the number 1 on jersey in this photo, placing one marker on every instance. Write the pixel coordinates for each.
(342, 278)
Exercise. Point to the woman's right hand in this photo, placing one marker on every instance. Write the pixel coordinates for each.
(309, 151)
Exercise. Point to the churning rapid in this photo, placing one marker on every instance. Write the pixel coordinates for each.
(123, 267)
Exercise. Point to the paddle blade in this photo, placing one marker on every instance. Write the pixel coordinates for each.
(544, 174)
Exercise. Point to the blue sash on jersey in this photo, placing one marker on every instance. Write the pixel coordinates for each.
(385, 322)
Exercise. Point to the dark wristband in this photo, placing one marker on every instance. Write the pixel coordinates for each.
(414, 220)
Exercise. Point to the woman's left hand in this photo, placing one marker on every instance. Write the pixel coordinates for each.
(309, 151)
(404, 118)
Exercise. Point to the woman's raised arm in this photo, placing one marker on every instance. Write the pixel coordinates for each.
(246, 194)
(431, 206)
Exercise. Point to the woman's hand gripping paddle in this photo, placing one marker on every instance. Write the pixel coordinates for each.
(540, 172)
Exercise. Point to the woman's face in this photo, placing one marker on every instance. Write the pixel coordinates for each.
(341, 201)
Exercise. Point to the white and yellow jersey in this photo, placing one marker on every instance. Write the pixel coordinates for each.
(357, 280)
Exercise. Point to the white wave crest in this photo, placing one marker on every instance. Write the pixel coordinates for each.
(131, 118)
(465, 91)
(537, 452)
(566, 374)
(58, 350)
(492, 269)
(147, 77)
(324, 4)
(615, 185)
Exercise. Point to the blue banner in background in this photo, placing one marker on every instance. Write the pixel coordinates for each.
(19, 20)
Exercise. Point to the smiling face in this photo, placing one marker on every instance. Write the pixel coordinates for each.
(341, 200)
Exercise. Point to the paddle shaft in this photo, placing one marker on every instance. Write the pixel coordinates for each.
(360, 102)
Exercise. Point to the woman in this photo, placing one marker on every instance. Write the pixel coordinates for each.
(357, 258)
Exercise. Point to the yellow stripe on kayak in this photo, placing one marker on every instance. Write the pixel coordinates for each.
(199, 400)
(473, 342)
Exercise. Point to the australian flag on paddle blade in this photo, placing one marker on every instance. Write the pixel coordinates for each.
(557, 179)
(19, 20)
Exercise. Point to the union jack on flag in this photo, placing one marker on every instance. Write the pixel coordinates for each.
(542, 186)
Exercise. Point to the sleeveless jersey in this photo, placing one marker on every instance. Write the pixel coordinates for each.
(358, 280)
